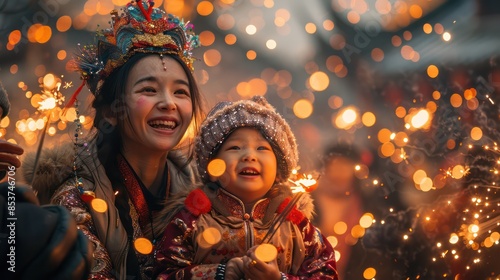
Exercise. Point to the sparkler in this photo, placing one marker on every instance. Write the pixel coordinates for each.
(300, 187)
(52, 97)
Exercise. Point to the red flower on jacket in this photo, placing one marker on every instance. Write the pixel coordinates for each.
(295, 216)
(197, 202)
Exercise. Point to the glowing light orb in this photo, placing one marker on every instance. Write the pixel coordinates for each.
(211, 235)
(271, 44)
(473, 228)
(216, 167)
(357, 231)
(427, 28)
(99, 205)
(368, 119)
(337, 255)
(458, 172)
(349, 116)
(420, 119)
(366, 220)
(476, 133)
(303, 108)
(319, 81)
(340, 228)
(205, 8)
(333, 240)
(143, 246)
(432, 71)
(495, 236)
(251, 29)
(426, 184)
(369, 273)
(266, 252)
(447, 36)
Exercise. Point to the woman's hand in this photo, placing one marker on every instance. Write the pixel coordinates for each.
(9, 154)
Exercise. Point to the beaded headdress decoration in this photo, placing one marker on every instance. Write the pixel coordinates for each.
(140, 28)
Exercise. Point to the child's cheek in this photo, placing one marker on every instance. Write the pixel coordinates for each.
(224, 180)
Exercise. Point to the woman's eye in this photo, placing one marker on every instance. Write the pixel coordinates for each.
(182, 91)
(148, 90)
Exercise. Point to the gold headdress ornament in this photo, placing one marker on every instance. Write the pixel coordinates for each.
(139, 28)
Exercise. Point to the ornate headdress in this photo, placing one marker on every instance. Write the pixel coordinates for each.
(139, 28)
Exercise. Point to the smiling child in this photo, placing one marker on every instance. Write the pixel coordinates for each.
(216, 230)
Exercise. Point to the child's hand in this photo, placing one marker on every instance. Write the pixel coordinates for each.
(234, 269)
(257, 269)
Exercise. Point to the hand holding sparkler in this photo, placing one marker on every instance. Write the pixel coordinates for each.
(261, 263)
(265, 252)
(301, 186)
(9, 154)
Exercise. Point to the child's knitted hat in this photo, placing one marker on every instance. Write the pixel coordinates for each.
(225, 117)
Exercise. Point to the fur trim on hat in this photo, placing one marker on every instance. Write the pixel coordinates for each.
(225, 117)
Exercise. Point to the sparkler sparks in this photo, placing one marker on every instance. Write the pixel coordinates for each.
(300, 186)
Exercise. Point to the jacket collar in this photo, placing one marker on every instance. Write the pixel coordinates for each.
(236, 208)
(265, 209)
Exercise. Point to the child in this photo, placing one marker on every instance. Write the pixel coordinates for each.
(259, 152)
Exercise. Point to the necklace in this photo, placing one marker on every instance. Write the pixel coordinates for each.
(136, 196)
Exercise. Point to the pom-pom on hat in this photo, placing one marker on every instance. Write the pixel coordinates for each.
(225, 117)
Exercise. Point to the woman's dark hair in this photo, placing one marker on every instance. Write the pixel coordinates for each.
(109, 102)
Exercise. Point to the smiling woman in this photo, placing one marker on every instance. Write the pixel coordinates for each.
(159, 105)
(146, 98)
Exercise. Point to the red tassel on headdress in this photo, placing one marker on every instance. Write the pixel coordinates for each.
(72, 100)
(147, 14)
(150, 9)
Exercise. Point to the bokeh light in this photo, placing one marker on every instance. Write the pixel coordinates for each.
(99, 205)
(303, 108)
(266, 252)
(369, 273)
(143, 246)
(319, 81)
(216, 167)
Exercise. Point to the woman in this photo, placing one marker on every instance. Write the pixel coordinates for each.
(140, 72)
